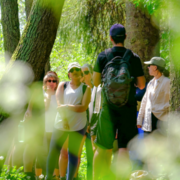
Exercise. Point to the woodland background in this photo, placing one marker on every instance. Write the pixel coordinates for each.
(49, 34)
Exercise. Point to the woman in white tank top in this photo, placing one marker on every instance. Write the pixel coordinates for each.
(70, 121)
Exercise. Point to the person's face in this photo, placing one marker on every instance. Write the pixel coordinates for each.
(152, 70)
(75, 73)
(87, 75)
(51, 84)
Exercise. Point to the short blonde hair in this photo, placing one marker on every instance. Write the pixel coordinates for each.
(47, 76)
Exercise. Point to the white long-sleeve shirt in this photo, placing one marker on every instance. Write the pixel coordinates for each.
(156, 101)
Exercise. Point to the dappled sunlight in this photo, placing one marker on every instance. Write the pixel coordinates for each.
(13, 87)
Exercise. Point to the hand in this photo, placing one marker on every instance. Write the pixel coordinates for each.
(65, 124)
(139, 126)
(49, 91)
(61, 108)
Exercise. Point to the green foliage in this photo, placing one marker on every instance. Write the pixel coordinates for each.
(12, 174)
(151, 5)
(61, 56)
(88, 22)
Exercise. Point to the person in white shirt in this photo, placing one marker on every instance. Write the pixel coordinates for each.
(71, 120)
(155, 103)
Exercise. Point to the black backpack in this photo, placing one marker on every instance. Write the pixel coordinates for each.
(116, 78)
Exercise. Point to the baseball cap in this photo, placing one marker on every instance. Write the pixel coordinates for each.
(158, 61)
(74, 64)
(117, 30)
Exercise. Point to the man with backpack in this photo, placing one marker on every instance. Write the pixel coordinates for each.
(119, 70)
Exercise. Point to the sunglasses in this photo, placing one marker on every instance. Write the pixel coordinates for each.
(54, 81)
(74, 69)
(151, 65)
(86, 72)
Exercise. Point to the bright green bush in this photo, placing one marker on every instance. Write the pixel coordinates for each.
(12, 174)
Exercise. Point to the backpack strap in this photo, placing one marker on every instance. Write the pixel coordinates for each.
(66, 84)
(127, 55)
(109, 54)
(62, 93)
(84, 88)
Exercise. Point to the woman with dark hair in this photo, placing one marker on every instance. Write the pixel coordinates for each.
(155, 103)
(73, 99)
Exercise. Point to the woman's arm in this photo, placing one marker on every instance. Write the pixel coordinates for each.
(142, 109)
(47, 100)
(60, 94)
(85, 102)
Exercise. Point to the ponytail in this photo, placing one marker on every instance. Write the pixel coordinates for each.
(164, 71)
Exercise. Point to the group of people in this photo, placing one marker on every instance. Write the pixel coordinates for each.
(86, 109)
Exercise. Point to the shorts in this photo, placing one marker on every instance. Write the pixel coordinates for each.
(123, 120)
(93, 124)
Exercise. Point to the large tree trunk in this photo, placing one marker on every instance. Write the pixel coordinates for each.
(142, 35)
(10, 24)
(174, 27)
(28, 5)
(39, 35)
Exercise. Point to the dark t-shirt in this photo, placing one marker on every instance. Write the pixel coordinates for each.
(136, 68)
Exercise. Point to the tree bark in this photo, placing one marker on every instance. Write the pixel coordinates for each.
(142, 35)
(174, 27)
(10, 24)
(39, 35)
(28, 5)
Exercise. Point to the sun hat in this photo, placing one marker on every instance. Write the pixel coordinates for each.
(74, 64)
(158, 61)
(117, 30)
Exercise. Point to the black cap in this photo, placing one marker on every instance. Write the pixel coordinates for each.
(117, 30)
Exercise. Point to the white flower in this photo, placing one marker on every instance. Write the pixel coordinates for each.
(1, 158)
(41, 176)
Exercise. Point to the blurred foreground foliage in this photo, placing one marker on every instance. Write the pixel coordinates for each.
(13, 174)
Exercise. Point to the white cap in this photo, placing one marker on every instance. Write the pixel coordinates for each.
(74, 64)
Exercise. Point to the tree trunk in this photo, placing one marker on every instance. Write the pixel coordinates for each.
(28, 5)
(142, 35)
(10, 24)
(39, 35)
(174, 27)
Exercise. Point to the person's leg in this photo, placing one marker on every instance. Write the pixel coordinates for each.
(101, 163)
(57, 141)
(94, 147)
(42, 155)
(89, 155)
(28, 160)
(93, 130)
(79, 156)
(122, 164)
(17, 155)
(75, 140)
(104, 140)
(63, 159)
(127, 130)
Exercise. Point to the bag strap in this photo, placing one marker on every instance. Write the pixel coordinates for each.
(62, 93)
(109, 54)
(127, 55)
(84, 88)
(66, 84)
